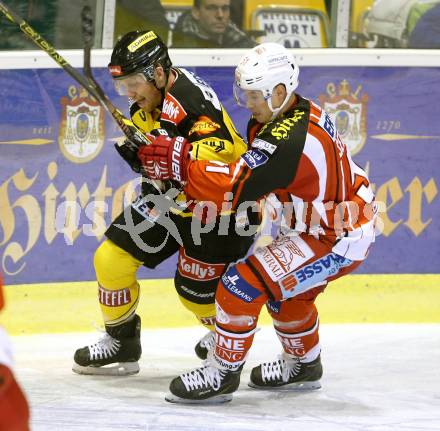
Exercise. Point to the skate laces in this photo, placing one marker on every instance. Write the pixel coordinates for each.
(204, 377)
(208, 340)
(104, 347)
(283, 368)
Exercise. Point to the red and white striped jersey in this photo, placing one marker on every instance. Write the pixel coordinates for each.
(300, 158)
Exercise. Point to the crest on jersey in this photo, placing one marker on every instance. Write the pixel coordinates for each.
(204, 126)
(348, 110)
(81, 134)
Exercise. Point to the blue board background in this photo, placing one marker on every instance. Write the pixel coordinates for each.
(402, 104)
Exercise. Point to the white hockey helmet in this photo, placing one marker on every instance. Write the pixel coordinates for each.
(262, 69)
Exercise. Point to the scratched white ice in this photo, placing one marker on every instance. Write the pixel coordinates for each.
(376, 378)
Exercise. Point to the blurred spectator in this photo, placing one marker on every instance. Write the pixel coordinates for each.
(390, 22)
(68, 25)
(426, 33)
(208, 25)
(134, 15)
(237, 12)
(129, 15)
(39, 14)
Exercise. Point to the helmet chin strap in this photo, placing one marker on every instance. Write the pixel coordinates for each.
(276, 111)
(162, 89)
(162, 93)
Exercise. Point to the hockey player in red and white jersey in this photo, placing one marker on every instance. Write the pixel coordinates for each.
(297, 157)
(14, 410)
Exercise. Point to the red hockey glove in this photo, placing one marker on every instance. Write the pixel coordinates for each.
(166, 158)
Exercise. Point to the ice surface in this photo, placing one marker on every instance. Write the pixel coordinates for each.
(376, 378)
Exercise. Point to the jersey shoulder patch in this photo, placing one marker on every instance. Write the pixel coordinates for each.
(263, 145)
(254, 158)
(172, 110)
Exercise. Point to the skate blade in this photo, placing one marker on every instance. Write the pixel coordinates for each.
(218, 399)
(301, 386)
(120, 369)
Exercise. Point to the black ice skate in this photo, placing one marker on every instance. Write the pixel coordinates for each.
(115, 354)
(287, 373)
(206, 385)
(205, 345)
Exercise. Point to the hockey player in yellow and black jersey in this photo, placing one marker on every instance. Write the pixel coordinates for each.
(174, 99)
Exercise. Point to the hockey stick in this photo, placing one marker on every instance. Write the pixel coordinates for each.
(129, 129)
(88, 31)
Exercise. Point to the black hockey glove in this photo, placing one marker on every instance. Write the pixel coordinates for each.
(128, 151)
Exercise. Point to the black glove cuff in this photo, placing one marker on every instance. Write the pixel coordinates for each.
(129, 154)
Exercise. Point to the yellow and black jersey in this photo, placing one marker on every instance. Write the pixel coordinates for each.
(192, 109)
(144, 121)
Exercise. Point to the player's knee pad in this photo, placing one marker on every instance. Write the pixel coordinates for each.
(118, 287)
(239, 298)
(114, 266)
(234, 321)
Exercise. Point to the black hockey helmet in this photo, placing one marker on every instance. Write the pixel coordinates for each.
(139, 52)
